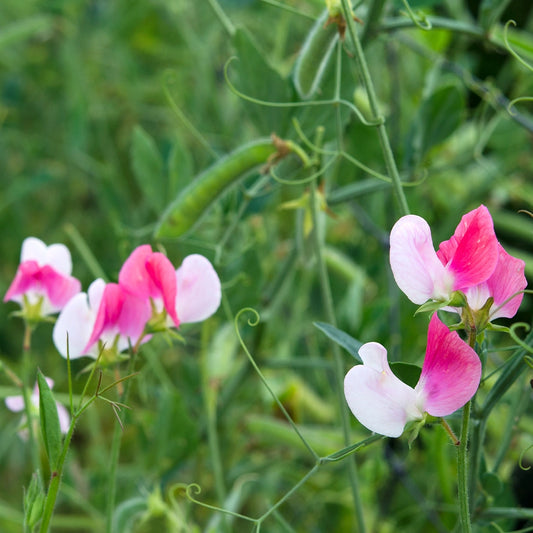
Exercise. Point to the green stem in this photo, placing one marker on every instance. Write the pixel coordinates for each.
(221, 15)
(462, 457)
(115, 453)
(339, 374)
(373, 102)
(462, 473)
(28, 380)
(372, 20)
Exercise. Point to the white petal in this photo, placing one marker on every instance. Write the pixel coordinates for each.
(58, 257)
(376, 397)
(199, 292)
(77, 319)
(33, 249)
(414, 262)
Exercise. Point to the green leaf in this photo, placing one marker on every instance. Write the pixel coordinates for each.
(407, 372)
(258, 79)
(34, 497)
(344, 340)
(492, 484)
(49, 421)
(148, 169)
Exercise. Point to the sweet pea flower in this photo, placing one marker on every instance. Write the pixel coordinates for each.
(384, 404)
(150, 276)
(16, 404)
(504, 287)
(106, 317)
(464, 261)
(43, 284)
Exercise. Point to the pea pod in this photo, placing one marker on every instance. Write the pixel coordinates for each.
(314, 56)
(194, 201)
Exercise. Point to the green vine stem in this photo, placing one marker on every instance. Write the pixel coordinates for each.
(374, 107)
(339, 375)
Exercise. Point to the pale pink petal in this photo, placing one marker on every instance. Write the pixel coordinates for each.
(199, 291)
(133, 275)
(33, 249)
(507, 279)
(15, 403)
(414, 262)
(376, 397)
(163, 278)
(451, 371)
(77, 319)
(472, 253)
(64, 418)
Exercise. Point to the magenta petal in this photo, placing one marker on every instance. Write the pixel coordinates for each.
(133, 275)
(414, 262)
(472, 253)
(133, 318)
(508, 279)
(199, 291)
(163, 277)
(24, 280)
(59, 288)
(376, 397)
(451, 371)
(108, 313)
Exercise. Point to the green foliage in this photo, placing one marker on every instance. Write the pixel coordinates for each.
(118, 127)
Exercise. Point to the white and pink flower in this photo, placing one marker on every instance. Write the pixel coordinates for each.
(43, 284)
(384, 404)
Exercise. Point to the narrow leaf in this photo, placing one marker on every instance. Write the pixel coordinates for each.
(49, 421)
(344, 340)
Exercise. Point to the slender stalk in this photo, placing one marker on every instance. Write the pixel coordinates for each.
(27, 384)
(221, 15)
(115, 453)
(373, 102)
(462, 459)
(339, 375)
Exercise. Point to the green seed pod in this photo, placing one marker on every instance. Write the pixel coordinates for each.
(193, 201)
(314, 56)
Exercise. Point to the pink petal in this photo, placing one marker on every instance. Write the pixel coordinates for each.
(77, 319)
(23, 282)
(56, 255)
(15, 403)
(451, 371)
(59, 288)
(108, 313)
(163, 278)
(199, 291)
(133, 318)
(508, 278)
(133, 275)
(415, 265)
(376, 397)
(472, 253)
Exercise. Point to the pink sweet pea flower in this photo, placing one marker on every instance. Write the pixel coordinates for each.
(198, 289)
(464, 261)
(381, 402)
(504, 286)
(43, 284)
(16, 404)
(150, 276)
(107, 316)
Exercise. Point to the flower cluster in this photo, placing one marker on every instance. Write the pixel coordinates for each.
(150, 296)
(471, 275)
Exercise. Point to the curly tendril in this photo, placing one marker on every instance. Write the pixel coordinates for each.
(514, 336)
(420, 20)
(520, 463)
(335, 101)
